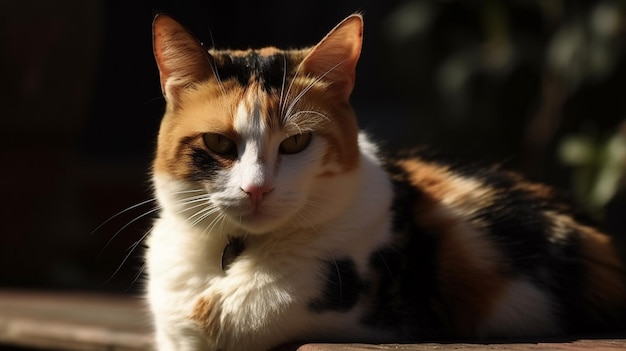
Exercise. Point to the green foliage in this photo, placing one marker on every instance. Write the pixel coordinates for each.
(599, 166)
(516, 81)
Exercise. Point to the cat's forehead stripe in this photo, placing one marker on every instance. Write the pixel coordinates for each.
(248, 119)
(266, 67)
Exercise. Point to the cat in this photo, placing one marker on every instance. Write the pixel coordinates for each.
(281, 222)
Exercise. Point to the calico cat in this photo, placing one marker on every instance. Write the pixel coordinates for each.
(281, 222)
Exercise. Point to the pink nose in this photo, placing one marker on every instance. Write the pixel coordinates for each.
(256, 192)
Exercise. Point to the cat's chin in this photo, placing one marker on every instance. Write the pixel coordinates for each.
(258, 223)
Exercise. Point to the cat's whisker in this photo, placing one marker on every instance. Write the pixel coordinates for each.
(282, 110)
(158, 208)
(214, 67)
(320, 201)
(192, 199)
(311, 206)
(310, 86)
(190, 191)
(320, 198)
(122, 212)
(136, 277)
(306, 223)
(282, 88)
(216, 74)
(156, 98)
(312, 112)
(131, 250)
(186, 209)
(202, 215)
(301, 94)
(204, 199)
(220, 218)
(187, 191)
(222, 221)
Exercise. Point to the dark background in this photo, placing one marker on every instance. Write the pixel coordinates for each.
(539, 86)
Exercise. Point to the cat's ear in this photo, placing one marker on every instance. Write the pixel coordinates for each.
(335, 57)
(180, 57)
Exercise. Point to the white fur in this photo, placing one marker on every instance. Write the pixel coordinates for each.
(524, 310)
(263, 299)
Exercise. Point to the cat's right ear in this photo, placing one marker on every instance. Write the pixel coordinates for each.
(181, 59)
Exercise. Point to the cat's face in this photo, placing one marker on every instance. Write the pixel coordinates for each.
(258, 139)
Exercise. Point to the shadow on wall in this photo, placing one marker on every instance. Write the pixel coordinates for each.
(536, 85)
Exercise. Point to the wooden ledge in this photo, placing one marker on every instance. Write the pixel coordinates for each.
(578, 345)
(85, 322)
(73, 321)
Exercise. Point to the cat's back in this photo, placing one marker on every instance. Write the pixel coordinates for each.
(503, 256)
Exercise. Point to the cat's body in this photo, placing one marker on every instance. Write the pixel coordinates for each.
(281, 223)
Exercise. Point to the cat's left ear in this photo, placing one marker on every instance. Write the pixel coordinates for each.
(335, 57)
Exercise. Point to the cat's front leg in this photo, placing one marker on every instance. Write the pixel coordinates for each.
(172, 334)
(227, 327)
(207, 313)
(240, 315)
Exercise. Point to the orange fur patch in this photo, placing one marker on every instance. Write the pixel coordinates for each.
(335, 122)
(448, 189)
(605, 275)
(208, 316)
(469, 277)
(206, 108)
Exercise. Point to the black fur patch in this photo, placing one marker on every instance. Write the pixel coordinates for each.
(268, 70)
(204, 166)
(518, 226)
(519, 223)
(342, 289)
(405, 284)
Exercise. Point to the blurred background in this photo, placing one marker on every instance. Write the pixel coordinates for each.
(538, 86)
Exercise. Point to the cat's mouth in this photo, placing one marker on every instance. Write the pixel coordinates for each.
(258, 217)
(252, 218)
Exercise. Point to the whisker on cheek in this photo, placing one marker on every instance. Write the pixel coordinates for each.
(131, 250)
(114, 236)
(121, 213)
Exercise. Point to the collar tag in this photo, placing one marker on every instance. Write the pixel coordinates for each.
(233, 249)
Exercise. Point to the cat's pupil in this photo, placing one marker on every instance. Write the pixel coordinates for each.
(295, 143)
(219, 144)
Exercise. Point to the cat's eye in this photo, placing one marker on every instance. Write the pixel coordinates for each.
(295, 143)
(219, 144)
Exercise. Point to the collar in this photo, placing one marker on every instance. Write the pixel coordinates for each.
(234, 248)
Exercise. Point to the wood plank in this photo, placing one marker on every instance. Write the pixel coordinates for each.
(86, 322)
(577, 345)
(73, 321)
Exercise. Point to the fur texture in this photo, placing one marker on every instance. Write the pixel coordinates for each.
(280, 222)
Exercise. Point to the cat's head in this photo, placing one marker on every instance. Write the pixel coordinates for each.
(256, 139)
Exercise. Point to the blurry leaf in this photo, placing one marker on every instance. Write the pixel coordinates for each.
(576, 150)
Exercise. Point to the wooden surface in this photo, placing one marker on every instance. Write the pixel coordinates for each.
(596, 345)
(73, 321)
(94, 322)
